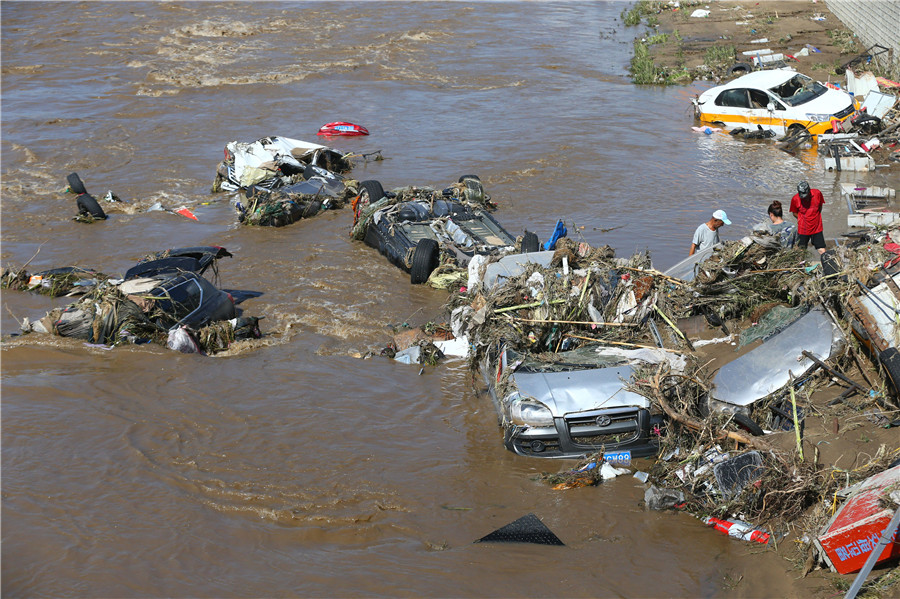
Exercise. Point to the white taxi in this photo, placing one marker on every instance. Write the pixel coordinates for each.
(780, 100)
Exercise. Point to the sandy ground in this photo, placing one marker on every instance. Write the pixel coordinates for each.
(789, 28)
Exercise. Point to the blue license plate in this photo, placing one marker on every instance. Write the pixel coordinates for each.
(618, 458)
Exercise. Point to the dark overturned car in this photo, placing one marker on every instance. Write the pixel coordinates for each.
(420, 228)
(283, 180)
(163, 299)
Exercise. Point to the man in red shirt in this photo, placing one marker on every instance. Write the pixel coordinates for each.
(806, 206)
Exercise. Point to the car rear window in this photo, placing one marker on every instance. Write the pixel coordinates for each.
(735, 98)
(179, 299)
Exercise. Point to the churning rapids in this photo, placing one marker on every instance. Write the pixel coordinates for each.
(292, 466)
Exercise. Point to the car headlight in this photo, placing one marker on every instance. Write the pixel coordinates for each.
(818, 117)
(530, 413)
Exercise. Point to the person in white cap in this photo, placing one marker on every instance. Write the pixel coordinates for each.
(707, 234)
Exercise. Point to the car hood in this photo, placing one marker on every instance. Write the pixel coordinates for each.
(828, 103)
(580, 390)
(768, 367)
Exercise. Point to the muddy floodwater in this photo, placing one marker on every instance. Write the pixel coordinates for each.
(292, 467)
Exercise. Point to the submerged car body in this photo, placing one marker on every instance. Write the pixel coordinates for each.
(778, 100)
(272, 162)
(182, 298)
(316, 190)
(412, 234)
(769, 367)
(573, 406)
(165, 291)
(193, 259)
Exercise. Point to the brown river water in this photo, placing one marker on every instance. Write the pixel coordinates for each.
(291, 467)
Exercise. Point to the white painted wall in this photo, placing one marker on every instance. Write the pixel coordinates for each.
(873, 22)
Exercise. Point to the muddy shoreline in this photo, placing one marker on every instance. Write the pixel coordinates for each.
(686, 47)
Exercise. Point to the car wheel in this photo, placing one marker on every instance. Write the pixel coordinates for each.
(75, 184)
(740, 68)
(370, 191)
(464, 177)
(746, 423)
(830, 264)
(425, 260)
(530, 243)
(890, 360)
(88, 205)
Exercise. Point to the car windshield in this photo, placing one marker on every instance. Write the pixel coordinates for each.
(798, 90)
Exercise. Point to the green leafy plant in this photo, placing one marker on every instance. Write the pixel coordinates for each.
(641, 9)
(719, 55)
(643, 68)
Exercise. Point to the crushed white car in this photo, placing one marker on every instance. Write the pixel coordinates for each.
(782, 101)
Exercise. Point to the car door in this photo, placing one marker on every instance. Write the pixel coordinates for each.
(759, 115)
(765, 112)
(733, 107)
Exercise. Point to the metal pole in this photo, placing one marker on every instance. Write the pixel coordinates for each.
(873, 557)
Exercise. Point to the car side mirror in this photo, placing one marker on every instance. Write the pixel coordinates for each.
(771, 107)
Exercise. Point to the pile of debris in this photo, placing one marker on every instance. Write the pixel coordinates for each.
(585, 294)
(580, 312)
(163, 299)
(57, 282)
(284, 180)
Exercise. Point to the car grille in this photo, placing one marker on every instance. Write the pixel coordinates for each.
(548, 447)
(845, 112)
(585, 431)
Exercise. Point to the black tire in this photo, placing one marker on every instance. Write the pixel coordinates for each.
(890, 360)
(75, 184)
(746, 423)
(830, 264)
(530, 243)
(740, 68)
(88, 205)
(796, 131)
(372, 190)
(464, 177)
(425, 260)
(867, 118)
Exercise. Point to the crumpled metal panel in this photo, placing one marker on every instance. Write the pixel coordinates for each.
(767, 368)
